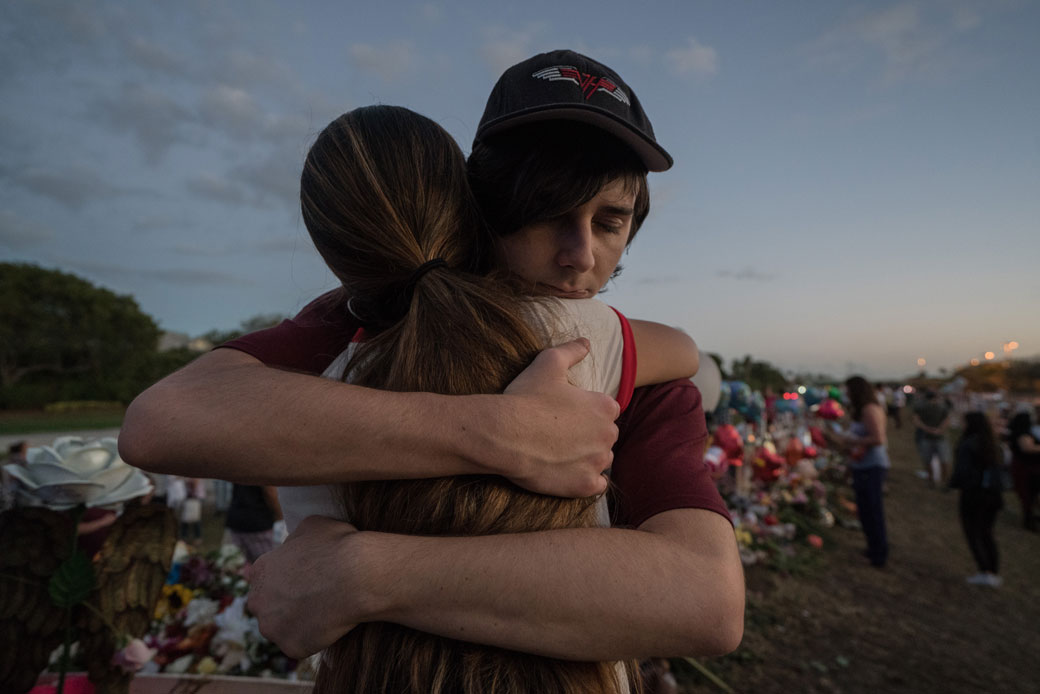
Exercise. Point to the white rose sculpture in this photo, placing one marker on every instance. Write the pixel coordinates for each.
(74, 471)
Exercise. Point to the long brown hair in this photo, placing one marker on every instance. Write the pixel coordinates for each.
(861, 394)
(384, 192)
(976, 424)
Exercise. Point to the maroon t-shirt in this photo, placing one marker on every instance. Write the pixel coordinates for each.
(659, 454)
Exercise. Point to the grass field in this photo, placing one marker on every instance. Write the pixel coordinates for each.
(35, 421)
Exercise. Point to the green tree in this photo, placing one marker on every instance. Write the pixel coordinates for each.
(62, 338)
(257, 322)
(757, 374)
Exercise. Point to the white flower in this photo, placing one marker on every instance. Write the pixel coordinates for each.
(230, 557)
(76, 471)
(200, 611)
(181, 665)
(233, 626)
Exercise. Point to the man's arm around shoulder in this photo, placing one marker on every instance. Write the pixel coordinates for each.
(229, 416)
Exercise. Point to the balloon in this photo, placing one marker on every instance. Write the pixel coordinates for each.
(724, 391)
(767, 464)
(709, 381)
(716, 461)
(817, 437)
(740, 395)
(834, 392)
(831, 409)
(814, 396)
(728, 439)
(794, 451)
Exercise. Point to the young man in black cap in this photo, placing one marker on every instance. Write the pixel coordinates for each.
(559, 166)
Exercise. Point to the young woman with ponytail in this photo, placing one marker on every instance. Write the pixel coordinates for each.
(386, 201)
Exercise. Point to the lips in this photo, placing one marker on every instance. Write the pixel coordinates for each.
(563, 293)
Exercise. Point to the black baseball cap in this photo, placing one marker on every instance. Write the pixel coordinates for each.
(564, 85)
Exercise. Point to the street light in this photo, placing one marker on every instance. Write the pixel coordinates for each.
(974, 362)
(989, 355)
(921, 361)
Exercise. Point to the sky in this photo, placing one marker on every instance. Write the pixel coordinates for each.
(856, 186)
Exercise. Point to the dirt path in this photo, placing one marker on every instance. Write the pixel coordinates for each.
(915, 626)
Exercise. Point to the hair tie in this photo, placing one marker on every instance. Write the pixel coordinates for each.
(382, 313)
(422, 270)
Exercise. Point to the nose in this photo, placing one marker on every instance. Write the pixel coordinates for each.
(575, 246)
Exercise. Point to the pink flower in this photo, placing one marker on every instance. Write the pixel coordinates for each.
(133, 656)
(816, 541)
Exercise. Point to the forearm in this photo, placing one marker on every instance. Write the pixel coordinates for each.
(583, 594)
(230, 417)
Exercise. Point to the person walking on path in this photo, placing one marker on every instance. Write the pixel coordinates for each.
(978, 474)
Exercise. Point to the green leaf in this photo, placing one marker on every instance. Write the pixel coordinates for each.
(72, 582)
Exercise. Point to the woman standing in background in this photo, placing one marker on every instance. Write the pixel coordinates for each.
(867, 444)
(978, 474)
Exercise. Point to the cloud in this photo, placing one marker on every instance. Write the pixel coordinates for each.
(181, 276)
(154, 58)
(504, 47)
(912, 40)
(73, 186)
(695, 58)
(273, 245)
(248, 68)
(153, 117)
(431, 12)
(215, 188)
(50, 34)
(747, 274)
(275, 179)
(159, 222)
(232, 110)
(388, 62)
(17, 233)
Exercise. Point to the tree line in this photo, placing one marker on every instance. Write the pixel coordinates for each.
(65, 339)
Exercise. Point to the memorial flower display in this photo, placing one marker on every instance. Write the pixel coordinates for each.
(201, 624)
(781, 481)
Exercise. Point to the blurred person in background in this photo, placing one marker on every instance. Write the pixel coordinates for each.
(251, 518)
(896, 405)
(866, 443)
(978, 473)
(1025, 465)
(931, 419)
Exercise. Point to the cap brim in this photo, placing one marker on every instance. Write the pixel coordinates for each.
(653, 156)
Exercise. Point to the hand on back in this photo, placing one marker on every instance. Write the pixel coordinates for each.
(563, 434)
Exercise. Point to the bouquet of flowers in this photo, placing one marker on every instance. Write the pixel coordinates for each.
(201, 624)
